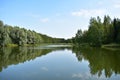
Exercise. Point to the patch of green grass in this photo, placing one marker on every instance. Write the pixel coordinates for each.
(11, 45)
(112, 46)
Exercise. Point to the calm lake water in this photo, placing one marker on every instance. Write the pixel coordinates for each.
(59, 62)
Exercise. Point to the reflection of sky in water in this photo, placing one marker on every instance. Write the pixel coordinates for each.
(57, 65)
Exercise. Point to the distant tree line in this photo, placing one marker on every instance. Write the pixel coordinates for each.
(21, 36)
(99, 32)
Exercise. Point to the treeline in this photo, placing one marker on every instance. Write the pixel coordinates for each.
(99, 32)
(21, 36)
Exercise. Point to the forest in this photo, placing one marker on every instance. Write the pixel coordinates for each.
(99, 32)
(10, 35)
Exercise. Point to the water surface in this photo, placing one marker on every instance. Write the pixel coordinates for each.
(59, 62)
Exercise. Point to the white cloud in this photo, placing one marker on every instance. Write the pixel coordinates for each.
(44, 20)
(44, 69)
(79, 75)
(87, 75)
(89, 13)
(117, 6)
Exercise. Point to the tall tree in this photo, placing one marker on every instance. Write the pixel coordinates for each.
(95, 32)
(78, 37)
(1, 33)
(116, 24)
(108, 30)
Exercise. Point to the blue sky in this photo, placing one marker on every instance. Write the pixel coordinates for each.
(56, 18)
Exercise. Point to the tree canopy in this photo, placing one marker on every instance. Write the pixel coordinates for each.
(20, 36)
(99, 32)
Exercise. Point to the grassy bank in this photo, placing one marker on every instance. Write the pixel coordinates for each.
(112, 46)
(16, 45)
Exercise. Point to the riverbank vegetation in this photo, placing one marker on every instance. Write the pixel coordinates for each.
(99, 32)
(16, 36)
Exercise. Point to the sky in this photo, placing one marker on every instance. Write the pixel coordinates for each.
(56, 18)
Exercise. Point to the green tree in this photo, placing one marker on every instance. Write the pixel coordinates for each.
(116, 24)
(95, 32)
(1, 33)
(108, 30)
(78, 37)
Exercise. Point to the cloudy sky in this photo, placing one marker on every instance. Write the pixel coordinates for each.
(56, 18)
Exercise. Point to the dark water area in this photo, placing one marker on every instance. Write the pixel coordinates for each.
(59, 62)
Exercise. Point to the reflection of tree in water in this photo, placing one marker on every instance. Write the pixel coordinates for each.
(16, 55)
(9, 56)
(100, 60)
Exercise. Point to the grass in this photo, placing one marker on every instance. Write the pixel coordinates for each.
(11, 45)
(112, 46)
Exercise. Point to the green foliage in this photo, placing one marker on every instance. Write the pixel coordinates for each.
(99, 32)
(116, 24)
(21, 36)
(108, 30)
(78, 38)
(95, 32)
(2, 34)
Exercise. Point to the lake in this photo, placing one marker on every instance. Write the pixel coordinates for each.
(59, 62)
